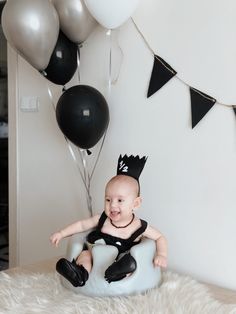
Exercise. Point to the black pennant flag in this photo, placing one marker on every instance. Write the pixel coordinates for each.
(234, 107)
(200, 105)
(162, 72)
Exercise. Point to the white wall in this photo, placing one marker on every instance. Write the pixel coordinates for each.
(188, 185)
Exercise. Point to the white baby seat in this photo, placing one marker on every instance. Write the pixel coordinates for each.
(145, 277)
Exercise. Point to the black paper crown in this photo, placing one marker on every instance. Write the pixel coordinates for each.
(131, 166)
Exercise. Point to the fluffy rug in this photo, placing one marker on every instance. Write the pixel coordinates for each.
(28, 293)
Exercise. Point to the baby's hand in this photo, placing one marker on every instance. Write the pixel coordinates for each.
(56, 238)
(160, 261)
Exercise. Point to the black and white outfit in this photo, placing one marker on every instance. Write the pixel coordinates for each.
(123, 245)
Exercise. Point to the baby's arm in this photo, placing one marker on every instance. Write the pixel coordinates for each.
(160, 258)
(78, 226)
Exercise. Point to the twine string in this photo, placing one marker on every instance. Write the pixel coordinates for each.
(177, 76)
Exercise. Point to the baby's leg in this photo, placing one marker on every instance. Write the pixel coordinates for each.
(85, 259)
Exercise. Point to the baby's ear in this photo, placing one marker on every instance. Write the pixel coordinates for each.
(137, 202)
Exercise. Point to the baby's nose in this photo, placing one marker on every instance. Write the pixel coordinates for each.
(113, 203)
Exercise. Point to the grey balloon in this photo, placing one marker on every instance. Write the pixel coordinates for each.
(75, 20)
(31, 27)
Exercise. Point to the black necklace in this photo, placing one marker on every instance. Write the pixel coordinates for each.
(118, 227)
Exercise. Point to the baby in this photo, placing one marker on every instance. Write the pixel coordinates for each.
(117, 226)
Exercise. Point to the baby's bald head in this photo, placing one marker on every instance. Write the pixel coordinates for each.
(131, 184)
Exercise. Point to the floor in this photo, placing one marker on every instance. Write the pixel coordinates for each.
(223, 295)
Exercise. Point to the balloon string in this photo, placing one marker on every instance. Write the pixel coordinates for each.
(108, 97)
(84, 163)
(109, 33)
(78, 64)
(99, 153)
(83, 155)
(88, 177)
(115, 40)
(68, 143)
(76, 162)
(118, 53)
(83, 158)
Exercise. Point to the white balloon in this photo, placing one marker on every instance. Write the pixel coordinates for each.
(111, 13)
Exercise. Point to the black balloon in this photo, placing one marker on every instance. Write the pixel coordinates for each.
(82, 114)
(63, 61)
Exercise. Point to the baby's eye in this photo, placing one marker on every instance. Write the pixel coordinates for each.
(120, 200)
(108, 200)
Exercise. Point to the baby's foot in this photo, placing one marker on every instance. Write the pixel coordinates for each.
(121, 268)
(76, 274)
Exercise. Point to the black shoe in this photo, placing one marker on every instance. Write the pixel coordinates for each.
(120, 268)
(76, 274)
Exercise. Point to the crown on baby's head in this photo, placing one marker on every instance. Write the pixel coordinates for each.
(131, 166)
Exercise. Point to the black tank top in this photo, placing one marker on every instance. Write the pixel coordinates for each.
(122, 245)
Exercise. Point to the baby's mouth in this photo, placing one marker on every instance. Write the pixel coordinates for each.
(114, 214)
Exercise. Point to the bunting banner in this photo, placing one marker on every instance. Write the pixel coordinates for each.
(200, 105)
(162, 72)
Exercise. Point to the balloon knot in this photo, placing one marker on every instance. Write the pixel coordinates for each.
(44, 73)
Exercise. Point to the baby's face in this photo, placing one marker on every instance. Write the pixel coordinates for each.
(121, 198)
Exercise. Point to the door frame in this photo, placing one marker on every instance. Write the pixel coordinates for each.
(13, 98)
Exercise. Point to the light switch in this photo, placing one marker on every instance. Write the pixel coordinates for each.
(29, 104)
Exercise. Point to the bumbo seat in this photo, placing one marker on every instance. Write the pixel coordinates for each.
(145, 277)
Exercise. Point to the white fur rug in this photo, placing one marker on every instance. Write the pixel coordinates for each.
(28, 293)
